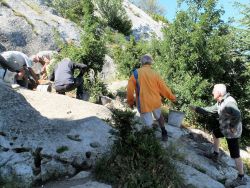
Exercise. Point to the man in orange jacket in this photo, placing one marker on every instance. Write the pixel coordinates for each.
(149, 88)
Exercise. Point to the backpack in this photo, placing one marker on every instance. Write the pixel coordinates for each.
(135, 72)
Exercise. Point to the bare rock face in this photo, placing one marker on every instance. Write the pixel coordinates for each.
(30, 26)
(144, 26)
(45, 136)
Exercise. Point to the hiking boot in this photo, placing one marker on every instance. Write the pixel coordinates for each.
(164, 136)
(213, 156)
(237, 182)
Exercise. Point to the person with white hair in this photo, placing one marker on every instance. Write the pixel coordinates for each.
(149, 88)
(230, 127)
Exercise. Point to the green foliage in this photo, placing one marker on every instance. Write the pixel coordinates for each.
(122, 93)
(137, 159)
(127, 56)
(71, 9)
(200, 50)
(11, 182)
(240, 43)
(91, 50)
(247, 166)
(96, 88)
(194, 54)
(150, 6)
(158, 18)
(62, 149)
(115, 15)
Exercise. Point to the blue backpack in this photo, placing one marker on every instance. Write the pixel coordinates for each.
(137, 90)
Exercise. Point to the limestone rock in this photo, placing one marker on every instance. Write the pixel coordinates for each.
(30, 26)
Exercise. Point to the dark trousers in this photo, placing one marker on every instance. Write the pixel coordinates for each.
(78, 83)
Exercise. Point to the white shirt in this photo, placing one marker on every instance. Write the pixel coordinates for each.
(16, 59)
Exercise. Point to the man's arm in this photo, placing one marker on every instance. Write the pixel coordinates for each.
(79, 66)
(206, 110)
(130, 91)
(165, 91)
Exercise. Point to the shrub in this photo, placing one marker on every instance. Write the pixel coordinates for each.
(96, 88)
(70, 9)
(127, 56)
(137, 158)
(158, 18)
(115, 15)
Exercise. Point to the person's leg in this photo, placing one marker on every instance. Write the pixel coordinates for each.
(234, 149)
(239, 165)
(159, 117)
(233, 146)
(78, 81)
(64, 88)
(217, 134)
(216, 143)
(147, 119)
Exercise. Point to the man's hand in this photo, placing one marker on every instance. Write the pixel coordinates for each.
(174, 99)
(132, 105)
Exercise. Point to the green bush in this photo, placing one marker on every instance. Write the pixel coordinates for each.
(127, 56)
(158, 18)
(96, 88)
(75, 10)
(115, 15)
(137, 158)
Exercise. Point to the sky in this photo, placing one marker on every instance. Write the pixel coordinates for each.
(230, 11)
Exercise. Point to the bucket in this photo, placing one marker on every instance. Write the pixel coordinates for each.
(44, 88)
(105, 100)
(175, 118)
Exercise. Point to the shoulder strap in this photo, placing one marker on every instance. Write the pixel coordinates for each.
(137, 89)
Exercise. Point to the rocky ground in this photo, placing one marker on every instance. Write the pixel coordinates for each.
(46, 137)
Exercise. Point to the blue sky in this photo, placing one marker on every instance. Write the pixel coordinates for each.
(230, 11)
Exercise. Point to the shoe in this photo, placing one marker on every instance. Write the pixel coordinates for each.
(164, 136)
(237, 182)
(213, 156)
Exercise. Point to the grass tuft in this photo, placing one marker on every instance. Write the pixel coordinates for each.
(62, 149)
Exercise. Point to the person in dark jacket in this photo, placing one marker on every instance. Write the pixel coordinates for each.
(63, 77)
(230, 127)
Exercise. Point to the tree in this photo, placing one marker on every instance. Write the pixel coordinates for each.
(241, 52)
(243, 32)
(197, 53)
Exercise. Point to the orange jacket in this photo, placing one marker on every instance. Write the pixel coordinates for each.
(152, 87)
